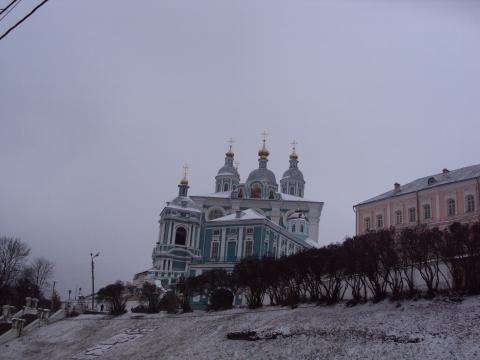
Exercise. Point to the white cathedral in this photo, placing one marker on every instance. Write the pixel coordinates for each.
(255, 218)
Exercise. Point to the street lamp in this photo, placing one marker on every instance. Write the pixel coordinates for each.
(93, 280)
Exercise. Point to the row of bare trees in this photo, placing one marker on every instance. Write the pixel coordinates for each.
(19, 277)
(379, 264)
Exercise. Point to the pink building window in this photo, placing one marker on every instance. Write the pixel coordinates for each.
(470, 201)
(427, 211)
(451, 207)
(367, 224)
(379, 221)
(398, 217)
(412, 214)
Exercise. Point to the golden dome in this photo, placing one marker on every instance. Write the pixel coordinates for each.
(293, 155)
(263, 152)
(229, 153)
(184, 180)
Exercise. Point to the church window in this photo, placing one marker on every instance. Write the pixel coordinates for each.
(164, 264)
(215, 249)
(272, 195)
(256, 191)
(300, 192)
(398, 217)
(427, 211)
(451, 208)
(470, 200)
(302, 228)
(379, 221)
(216, 232)
(225, 187)
(218, 187)
(292, 190)
(248, 248)
(215, 214)
(249, 231)
(240, 193)
(293, 228)
(284, 189)
(180, 236)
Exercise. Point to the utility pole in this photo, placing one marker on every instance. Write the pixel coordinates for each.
(53, 294)
(93, 280)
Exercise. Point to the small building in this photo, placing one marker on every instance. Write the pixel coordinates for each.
(437, 201)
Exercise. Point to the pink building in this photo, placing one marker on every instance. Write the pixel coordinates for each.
(436, 200)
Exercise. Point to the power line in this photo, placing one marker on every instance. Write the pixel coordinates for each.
(6, 8)
(23, 19)
(13, 7)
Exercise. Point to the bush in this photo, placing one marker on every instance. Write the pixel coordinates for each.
(169, 303)
(221, 299)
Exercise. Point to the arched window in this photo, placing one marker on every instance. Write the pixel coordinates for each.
(368, 224)
(256, 191)
(272, 195)
(180, 236)
(293, 228)
(292, 190)
(379, 221)
(398, 217)
(302, 228)
(225, 187)
(451, 208)
(215, 214)
(240, 193)
(300, 192)
(470, 201)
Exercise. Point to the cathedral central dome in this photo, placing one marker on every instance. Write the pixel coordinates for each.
(263, 175)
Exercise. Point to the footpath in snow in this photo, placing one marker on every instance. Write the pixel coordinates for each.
(437, 329)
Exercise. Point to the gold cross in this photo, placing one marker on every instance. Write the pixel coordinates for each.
(264, 134)
(230, 143)
(185, 170)
(293, 143)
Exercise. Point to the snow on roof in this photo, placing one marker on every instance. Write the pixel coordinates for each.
(249, 214)
(186, 208)
(427, 182)
(227, 194)
(221, 194)
(288, 197)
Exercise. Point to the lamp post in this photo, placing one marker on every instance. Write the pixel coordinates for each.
(93, 280)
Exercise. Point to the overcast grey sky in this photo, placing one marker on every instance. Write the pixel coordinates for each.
(102, 102)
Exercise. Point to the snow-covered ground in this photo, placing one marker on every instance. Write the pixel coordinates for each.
(437, 329)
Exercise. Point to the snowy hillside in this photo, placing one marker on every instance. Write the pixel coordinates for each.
(438, 329)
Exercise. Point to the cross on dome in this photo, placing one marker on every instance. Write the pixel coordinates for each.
(184, 180)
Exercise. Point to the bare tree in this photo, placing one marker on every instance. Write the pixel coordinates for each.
(13, 254)
(40, 271)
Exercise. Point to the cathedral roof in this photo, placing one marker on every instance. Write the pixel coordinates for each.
(293, 173)
(262, 175)
(184, 202)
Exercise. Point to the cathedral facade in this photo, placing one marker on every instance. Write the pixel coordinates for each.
(258, 217)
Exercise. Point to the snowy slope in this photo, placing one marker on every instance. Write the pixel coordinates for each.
(436, 329)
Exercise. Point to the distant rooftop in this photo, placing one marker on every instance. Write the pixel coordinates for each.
(427, 182)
